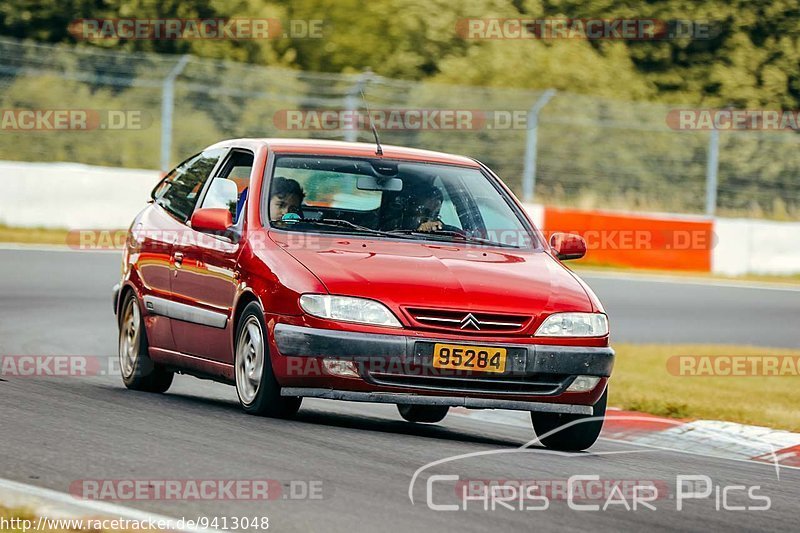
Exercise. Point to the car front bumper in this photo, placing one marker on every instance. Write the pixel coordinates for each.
(452, 401)
(398, 369)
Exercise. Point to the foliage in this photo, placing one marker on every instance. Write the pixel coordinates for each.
(750, 58)
(598, 150)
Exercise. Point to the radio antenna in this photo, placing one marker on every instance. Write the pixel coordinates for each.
(378, 150)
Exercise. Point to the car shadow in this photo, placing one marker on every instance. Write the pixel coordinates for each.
(400, 427)
(318, 416)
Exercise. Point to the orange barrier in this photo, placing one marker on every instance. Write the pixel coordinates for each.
(636, 240)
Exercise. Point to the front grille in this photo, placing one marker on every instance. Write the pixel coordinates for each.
(467, 321)
(542, 384)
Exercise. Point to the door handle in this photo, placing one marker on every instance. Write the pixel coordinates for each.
(178, 258)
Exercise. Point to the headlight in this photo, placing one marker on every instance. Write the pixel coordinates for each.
(574, 325)
(348, 309)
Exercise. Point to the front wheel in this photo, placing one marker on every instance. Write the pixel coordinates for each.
(579, 431)
(258, 390)
(139, 372)
(429, 414)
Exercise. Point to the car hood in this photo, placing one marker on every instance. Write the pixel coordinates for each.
(416, 274)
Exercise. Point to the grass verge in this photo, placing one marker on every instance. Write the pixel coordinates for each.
(24, 520)
(588, 268)
(642, 382)
(33, 235)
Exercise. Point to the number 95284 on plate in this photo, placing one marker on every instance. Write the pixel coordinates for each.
(474, 358)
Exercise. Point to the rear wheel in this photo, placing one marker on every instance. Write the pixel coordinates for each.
(256, 386)
(579, 433)
(139, 372)
(429, 414)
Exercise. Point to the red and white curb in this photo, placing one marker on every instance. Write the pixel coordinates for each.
(712, 438)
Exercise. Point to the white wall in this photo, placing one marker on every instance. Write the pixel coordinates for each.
(70, 195)
(755, 246)
(536, 214)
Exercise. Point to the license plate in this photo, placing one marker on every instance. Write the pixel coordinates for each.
(475, 358)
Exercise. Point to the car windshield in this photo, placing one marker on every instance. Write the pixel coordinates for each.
(393, 199)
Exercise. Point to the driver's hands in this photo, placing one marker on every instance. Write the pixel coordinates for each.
(430, 226)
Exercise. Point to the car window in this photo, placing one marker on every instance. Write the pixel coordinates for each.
(393, 198)
(228, 189)
(448, 213)
(180, 190)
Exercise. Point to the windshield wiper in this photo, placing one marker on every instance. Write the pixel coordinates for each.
(455, 234)
(347, 224)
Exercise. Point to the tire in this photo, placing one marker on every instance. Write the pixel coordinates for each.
(429, 414)
(258, 390)
(138, 371)
(577, 437)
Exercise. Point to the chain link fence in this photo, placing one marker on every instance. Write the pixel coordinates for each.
(151, 110)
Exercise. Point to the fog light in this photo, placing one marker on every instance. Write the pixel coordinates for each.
(337, 367)
(583, 384)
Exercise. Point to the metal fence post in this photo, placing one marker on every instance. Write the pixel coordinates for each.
(529, 170)
(352, 103)
(167, 107)
(712, 168)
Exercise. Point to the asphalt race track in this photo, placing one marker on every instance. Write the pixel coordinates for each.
(56, 431)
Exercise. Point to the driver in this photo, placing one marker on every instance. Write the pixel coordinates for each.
(287, 196)
(424, 205)
(417, 209)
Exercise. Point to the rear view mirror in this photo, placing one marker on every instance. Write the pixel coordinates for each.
(568, 245)
(370, 183)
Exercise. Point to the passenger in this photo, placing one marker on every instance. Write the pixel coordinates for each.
(287, 196)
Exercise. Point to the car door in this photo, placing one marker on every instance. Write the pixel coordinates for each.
(161, 227)
(150, 246)
(205, 279)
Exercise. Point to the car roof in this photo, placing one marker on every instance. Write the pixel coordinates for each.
(328, 147)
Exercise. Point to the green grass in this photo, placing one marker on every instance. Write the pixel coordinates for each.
(642, 382)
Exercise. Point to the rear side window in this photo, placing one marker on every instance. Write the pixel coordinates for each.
(179, 191)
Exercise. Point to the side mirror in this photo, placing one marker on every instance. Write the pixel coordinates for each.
(215, 220)
(568, 245)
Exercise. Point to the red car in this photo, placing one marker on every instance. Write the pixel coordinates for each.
(351, 271)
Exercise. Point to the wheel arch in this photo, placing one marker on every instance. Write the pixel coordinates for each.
(124, 291)
(245, 299)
